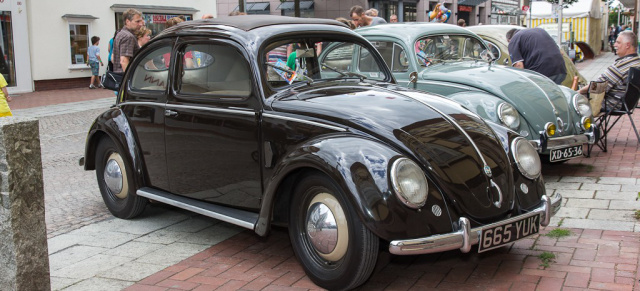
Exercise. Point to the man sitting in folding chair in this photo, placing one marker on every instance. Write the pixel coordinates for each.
(621, 88)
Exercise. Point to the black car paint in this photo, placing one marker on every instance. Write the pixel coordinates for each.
(292, 146)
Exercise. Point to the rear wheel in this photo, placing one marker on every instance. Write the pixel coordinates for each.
(116, 182)
(336, 250)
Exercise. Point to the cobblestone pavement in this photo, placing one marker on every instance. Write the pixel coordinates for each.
(72, 198)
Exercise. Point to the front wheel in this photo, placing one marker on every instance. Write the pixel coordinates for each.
(336, 250)
(116, 182)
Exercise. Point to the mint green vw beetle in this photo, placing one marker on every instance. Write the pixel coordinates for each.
(454, 62)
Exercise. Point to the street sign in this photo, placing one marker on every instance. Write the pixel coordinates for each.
(525, 8)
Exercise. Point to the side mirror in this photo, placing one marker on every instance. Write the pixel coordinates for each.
(413, 78)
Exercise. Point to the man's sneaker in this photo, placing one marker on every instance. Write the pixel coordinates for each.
(92, 87)
(100, 85)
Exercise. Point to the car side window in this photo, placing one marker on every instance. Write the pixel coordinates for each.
(393, 54)
(152, 71)
(214, 69)
(340, 56)
(494, 49)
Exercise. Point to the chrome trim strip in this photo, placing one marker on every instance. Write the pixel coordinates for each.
(463, 239)
(555, 111)
(213, 109)
(499, 202)
(195, 209)
(439, 83)
(141, 103)
(270, 115)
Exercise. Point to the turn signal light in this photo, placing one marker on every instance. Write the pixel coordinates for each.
(586, 123)
(550, 129)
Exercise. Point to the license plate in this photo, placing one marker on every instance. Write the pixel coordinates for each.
(565, 153)
(497, 236)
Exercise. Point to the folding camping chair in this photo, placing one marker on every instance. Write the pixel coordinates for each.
(609, 118)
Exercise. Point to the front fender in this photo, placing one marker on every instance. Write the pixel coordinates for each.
(360, 167)
(485, 105)
(114, 124)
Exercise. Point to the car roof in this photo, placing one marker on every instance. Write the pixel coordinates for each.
(412, 29)
(250, 22)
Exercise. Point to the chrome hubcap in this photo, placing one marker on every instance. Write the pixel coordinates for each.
(114, 177)
(327, 228)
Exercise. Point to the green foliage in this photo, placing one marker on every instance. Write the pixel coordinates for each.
(546, 258)
(558, 233)
(637, 214)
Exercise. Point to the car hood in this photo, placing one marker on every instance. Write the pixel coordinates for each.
(537, 99)
(440, 134)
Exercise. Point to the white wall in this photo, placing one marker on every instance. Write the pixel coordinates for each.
(49, 32)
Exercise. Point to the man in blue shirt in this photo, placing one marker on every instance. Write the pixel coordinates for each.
(534, 49)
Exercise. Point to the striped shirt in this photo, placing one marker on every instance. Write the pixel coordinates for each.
(616, 77)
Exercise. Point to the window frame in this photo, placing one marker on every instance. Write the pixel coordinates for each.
(87, 22)
(179, 52)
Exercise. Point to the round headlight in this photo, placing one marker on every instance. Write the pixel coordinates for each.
(509, 116)
(409, 183)
(581, 105)
(526, 158)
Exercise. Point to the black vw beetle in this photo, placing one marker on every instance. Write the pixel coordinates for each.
(240, 120)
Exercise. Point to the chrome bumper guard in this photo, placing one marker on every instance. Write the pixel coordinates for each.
(545, 143)
(465, 237)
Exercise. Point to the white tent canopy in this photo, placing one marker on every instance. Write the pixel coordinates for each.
(581, 8)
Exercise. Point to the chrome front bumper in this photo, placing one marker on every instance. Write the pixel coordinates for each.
(465, 237)
(546, 144)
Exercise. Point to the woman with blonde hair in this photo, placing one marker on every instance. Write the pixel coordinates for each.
(143, 35)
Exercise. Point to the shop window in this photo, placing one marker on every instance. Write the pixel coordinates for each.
(79, 42)
(156, 22)
(409, 12)
(7, 58)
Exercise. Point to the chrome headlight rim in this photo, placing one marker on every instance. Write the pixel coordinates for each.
(576, 105)
(397, 189)
(516, 157)
(501, 115)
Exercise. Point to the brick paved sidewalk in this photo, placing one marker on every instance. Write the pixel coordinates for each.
(50, 97)
(587, 259)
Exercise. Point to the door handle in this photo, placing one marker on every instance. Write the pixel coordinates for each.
(170, 113)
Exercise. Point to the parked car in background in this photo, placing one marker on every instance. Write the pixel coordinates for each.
(496, 38)
(452, 61)
(346, 159)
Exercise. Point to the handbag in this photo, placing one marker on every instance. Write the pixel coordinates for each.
(112, 80)
(596, 94)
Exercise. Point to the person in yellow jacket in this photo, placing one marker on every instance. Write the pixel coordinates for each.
(4, 98)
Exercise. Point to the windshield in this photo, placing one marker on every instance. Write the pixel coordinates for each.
(316, 59)
(441, 48)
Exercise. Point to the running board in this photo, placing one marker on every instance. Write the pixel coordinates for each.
(240, 218)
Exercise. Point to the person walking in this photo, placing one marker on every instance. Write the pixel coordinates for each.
(616, 75)
(534, 49)
(126, 44)
(360, 19)
(95, 61)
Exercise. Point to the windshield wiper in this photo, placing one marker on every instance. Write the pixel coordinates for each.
(307, 78)
(345, 73)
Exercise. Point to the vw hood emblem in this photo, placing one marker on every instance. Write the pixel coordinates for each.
(487, 170)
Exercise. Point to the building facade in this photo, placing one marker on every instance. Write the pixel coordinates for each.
(473, 11)
(45, 42)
